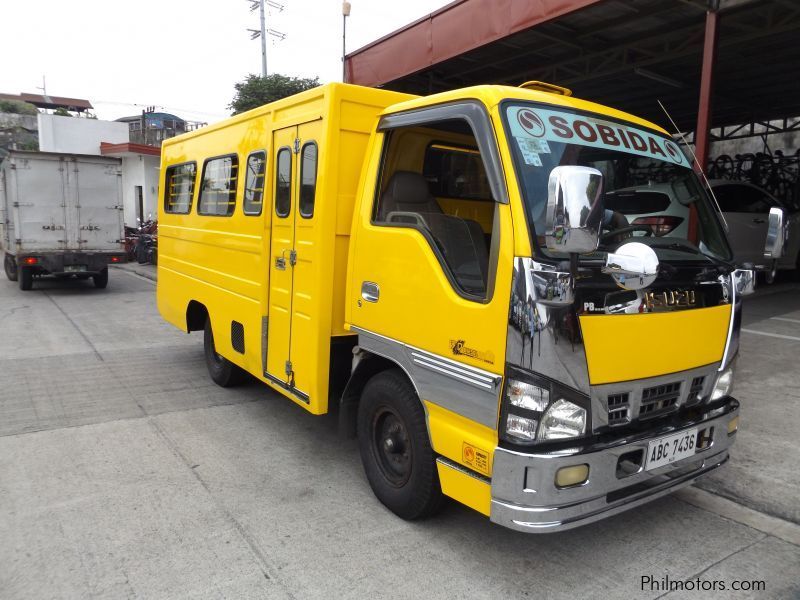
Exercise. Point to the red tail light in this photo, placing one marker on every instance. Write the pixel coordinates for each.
(659, 225)
(115, 259)
(30, 260)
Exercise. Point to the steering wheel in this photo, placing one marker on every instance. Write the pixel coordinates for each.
(629, 229)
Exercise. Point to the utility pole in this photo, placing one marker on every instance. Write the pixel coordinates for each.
(44, 87)
(263, 32)
(345, 13)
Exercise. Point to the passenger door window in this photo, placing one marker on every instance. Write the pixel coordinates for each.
(445, 195)
(283, 183)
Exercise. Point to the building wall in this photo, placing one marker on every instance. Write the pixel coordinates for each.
(78, 135)
(140, 170)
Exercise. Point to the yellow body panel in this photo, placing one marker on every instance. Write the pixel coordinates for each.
(625, 347)
(465, 488)
(225, 263)
(460, 439)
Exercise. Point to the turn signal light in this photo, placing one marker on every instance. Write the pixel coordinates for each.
(733, 425)
(659, 225)
(31, 260)
(570, 476)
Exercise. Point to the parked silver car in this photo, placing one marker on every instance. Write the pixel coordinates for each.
(746, 210)
(663, 210)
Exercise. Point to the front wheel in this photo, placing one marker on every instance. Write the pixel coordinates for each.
(395, 448)
(222, 371)
(10, 266)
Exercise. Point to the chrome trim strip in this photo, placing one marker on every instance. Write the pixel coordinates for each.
(462, 469)
(734, 300)
(460, 388)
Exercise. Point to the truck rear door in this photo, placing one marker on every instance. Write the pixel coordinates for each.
(94, 204)
(37, 190)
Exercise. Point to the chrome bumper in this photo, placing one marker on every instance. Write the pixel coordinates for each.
(525, 497)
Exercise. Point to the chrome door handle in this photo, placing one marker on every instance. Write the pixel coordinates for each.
(370, 291)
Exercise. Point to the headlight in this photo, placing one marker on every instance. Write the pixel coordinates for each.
(724, 385)
(536, 409)
(563, 420)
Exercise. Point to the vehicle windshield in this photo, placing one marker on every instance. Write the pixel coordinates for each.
(651, 194)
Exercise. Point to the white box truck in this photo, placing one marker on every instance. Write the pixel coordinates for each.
(60, 214)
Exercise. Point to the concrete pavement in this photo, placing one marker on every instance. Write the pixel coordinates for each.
(124, 472)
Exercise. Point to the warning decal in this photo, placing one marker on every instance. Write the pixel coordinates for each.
(475, 458)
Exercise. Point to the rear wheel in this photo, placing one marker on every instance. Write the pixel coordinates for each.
(395, 449)
(10, 266)
(101, 279)
(222, 371)
(25, 278)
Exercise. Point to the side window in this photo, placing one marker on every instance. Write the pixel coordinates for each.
(308, 179)
(433, 179)
(179, 188)
(283, 183)
(454, 172)
(218, 188)
(254, 183)
(734, 197)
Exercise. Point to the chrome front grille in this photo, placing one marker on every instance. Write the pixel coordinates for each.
(619, 408)
(641, 399)
(659, 399)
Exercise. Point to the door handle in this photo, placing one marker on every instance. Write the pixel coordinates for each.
(280, 261)
(370, 291)
(759, 220)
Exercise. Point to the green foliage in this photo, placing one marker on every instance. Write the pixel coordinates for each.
(256, 91)
(17, 107)
(62, 112)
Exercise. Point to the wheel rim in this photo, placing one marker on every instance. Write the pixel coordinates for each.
(391, 446)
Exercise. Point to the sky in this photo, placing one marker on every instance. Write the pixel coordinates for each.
(182, 56)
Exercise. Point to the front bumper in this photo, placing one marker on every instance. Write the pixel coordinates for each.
(525, 497)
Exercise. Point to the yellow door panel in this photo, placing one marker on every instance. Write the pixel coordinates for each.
(625, 347)
(282, 245)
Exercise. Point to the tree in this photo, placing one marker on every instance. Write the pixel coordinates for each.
(17, 107)
(62, 112)
(256, 91)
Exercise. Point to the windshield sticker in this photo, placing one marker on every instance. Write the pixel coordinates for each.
(540, 126)
(530, 151)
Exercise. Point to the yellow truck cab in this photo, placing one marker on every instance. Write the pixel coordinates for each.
(480, 282)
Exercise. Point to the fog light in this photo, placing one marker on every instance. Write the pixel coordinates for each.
(574, 475)
(733, 425)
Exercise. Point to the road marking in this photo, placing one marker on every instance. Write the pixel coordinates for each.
(785, 319)
(775, 335)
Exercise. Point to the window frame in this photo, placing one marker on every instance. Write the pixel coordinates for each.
(300, 180)
(493, 258)
(291, 173)
(235, 190)
(263, 182)
(167, 186)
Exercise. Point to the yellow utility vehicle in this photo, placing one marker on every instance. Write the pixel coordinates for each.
(457, 277)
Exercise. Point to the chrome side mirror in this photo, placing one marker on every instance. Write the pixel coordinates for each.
(776, 234)
(574, 209)
(744, 280)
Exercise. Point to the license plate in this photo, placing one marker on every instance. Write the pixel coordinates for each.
(74, 268)
(671, 448)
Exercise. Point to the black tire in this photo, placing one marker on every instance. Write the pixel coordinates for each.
(25, 278)
(222, 371)
(10, 266)
(395, 448)
(101, 279)
(141, 253)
